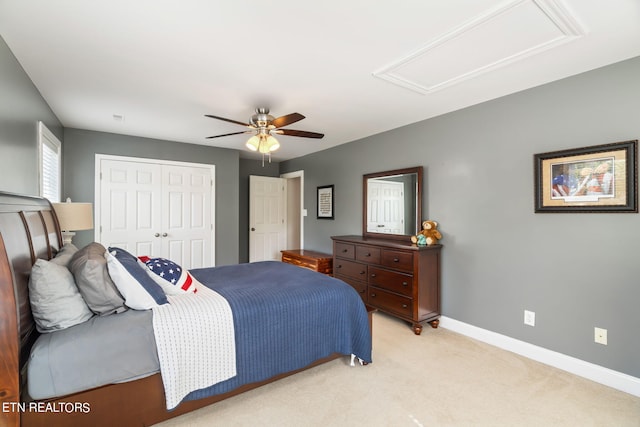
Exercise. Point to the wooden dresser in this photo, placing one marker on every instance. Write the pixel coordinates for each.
(316, 261)
(399, 278)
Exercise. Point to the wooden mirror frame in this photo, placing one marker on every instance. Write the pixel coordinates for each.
(418, 171)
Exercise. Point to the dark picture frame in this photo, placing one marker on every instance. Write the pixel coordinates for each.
(325, 199)
(599, 178)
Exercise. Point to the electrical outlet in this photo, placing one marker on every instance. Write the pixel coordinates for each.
(529, 318)
(600, 336)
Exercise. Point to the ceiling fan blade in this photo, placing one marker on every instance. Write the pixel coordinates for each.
(287, 120)
(227, 134)
(228, 120)
(301, 133)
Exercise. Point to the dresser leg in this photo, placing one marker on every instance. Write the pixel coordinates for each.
(434, 323)
(417, 328)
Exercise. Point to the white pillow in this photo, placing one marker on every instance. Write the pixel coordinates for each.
(55, 301)
(140, 292)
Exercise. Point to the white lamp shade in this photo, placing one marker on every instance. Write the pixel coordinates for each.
(272, 143)
(74, 216)
(253, 143)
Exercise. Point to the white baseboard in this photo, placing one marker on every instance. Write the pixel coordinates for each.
(599, 374)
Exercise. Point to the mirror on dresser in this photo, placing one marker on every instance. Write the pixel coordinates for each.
(392, 204)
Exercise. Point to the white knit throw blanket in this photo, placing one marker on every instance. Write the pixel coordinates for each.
(195, 341)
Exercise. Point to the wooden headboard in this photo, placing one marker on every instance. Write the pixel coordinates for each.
(29, 230)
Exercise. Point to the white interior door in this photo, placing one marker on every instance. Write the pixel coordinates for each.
(186, 223)
(267, 218)
(386, 207)
(130, 206)
(155, 208)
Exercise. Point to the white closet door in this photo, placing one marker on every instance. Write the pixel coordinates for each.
(130, 206)
(157, 209)
(186, 204)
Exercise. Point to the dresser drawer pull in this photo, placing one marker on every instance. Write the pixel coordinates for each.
(345, 251)
(362, 272)
(405, 284)
(404, 306)
(373, 295)
(339, 266)
(368, 254)
(373, 274)
(396, 260)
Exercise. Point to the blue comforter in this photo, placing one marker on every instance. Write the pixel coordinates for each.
(285, 318)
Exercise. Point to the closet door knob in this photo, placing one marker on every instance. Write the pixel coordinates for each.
(157, 235)
(164, 234)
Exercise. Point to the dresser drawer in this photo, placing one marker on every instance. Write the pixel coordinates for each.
(391, 280)
(368, 254)
(345, 250)
(360, 287)
(352, 269)
(387, 301)
(397, 259)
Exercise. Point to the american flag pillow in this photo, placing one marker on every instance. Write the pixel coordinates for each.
(170, 276)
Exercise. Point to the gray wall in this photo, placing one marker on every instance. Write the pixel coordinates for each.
(576, 271)
(21, 107)
(81, 146)
(250, 167)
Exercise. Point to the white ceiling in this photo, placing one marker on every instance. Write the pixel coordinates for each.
(354, 68)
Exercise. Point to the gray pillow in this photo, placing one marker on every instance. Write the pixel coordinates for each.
(89, 268)
(64, 255)
(55, 301)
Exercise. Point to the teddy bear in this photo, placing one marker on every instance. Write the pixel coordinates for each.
(429, 235)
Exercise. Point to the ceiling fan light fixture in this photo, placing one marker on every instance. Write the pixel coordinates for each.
(263, 124)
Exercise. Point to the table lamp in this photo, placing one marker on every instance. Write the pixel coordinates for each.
(73, 217)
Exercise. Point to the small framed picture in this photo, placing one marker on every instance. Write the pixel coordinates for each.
(325, 202)
(600, 178)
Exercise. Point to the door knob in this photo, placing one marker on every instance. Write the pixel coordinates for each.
(157, 235)
(253, 229)
(164, 234)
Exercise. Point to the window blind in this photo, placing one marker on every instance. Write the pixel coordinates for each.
(50, 160)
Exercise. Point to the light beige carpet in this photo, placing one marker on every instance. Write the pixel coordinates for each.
(439, 378)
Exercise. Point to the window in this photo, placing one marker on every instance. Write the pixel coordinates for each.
(50, 159)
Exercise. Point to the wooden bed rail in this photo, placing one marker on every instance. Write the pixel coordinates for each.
(9, 363)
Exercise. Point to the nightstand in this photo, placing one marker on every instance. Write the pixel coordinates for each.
(316, 261)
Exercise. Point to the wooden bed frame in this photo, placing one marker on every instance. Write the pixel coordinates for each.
(29, 230)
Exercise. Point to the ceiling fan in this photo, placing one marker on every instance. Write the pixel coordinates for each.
(264, 125)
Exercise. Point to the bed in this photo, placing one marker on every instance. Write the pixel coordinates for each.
(29, 231)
